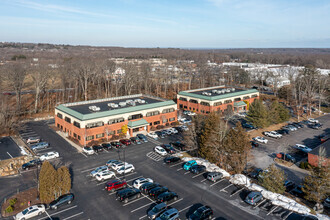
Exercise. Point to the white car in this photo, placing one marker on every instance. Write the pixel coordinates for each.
(173, 130)
(273, 134)
(117, 166)
(242, 114)
(126, 169)
(185, 128)
(105, 175)
(30, 212)
(313, 120)
(186, 121)
(302, 148)
(33, 140)
(153, 135)
(191, 113)
(49, 156)
(261, 139)
(139, 182)
(160, 150)
(99, 170)
(88, 150)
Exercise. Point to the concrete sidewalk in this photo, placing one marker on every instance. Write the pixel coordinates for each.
(62, 134)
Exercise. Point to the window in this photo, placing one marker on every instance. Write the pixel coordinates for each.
(76, 124)
(67, 119)
(217, 103)
(237, 99)
(253, 96)
(228, 101)
(180, 106)
(59, 115)
(182, 99)
(152, 113)
(74, 135)
(246, 97)
(207, 112)
(95, 124)
(58, 125)
(119, 131)
(111, 132)
(193, 101)
(156, 122)
(88, 138)
(168, 110)
(100, 135)
(115, 120)
(189, 108)
(172, 119)
(137, 116)
(78, 137)
(205, 103)
(185, 106)
(165, 120)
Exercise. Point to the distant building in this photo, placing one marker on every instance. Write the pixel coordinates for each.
(101, 119)
(218, 98)
(314, 158)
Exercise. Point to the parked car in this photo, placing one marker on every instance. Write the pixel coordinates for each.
(167, 197)
(97, 148)
(255, 174)
(153, 135)
(126, 169)
(49, 155)
(295, 125)
(117, 166)
(31, 164)
(169, 149)
(33, 140)
(197, 169)
(142, 137)
(253, 198)
(88, 150)
(62, 200)
(173, 130)
(297, 191)
(146, 187)
(169, 214)
(272, 134)
(178, 145)
(254, 144)
(326, 203)
(106, 146)
(30, 212)
(302, 148)
(184, 128)
(289, 185)
(125, 142)
(299, 124)
(157, 191)
(135, 140)
(261, 139)
(167, 132)
(99, 170)
(248, 125)
(105, 175)
(159, 150)
(214, 176)
(39, 146)
(312, 120)
(116, 144)
(157, 210)
(110, 162)
(115, 185)
(128, 194)
(171, 159)
(179, 129)
(283, 131)
(186, 121)
(160, 134)
(286, 157)
(187, 165)
(140, 181)
(203, 212)
(316, 126)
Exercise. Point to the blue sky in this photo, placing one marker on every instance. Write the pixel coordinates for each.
(168, 23)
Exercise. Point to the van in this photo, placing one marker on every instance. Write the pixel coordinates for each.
(214, 176)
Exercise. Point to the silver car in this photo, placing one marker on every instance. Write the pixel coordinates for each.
(39, 146)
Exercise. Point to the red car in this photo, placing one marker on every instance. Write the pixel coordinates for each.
(125, 142)
(115, 185)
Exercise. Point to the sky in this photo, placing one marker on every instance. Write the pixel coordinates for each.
(168, 23)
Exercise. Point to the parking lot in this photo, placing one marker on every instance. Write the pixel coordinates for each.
(8, 148)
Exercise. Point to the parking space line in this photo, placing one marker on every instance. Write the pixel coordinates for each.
(135, 200)
(223, 190)
(217, 182)
(272, 210)
(262, 201)
(58, 212)
(9, 155)
(197, 175)
(126, 175)
(83, 154)
(237, 192)
(185, 208)
(179, 169)
(175, 164)
(203, 180)
(134, 210)
(175, 202)
(89, 169)
(186, 172)
(142, 217)
(72, 216)
(133, 178)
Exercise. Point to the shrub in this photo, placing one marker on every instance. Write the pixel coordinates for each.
(12, 201)
(10, 209)
(152, 128)
(122, 135)
(167, 124)
(305, 165)
(114, 137)
(175, 123)
(160, 126)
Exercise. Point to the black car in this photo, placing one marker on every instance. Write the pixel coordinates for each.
(145, 188)
(179, 129)
(171, 159)
(197, 169)
(157, 191)
(203, 212)
(297, 191)
(254, 144)
(289, 185)
(247, 125)
(316, 126)
(167, 197)
(106, 146)
(62, 200)
(168, 148)
(160, 134)
(97, 148)
(286, 157)
(128, 194)
(295, 125)
(116, 144)
(178, 145)
(255, 174)
(283, 131)
(31, 164)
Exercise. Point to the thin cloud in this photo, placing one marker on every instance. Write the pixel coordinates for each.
(217, 3)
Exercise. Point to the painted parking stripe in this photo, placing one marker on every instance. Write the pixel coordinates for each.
(186, 172)
(142, 217)
(55, 213)
(122, 175)
(142, 197)
(185, 208)
(175, 202)
(179, 169)
(217, 182)
(197, 175)
(203, 180)
(72, 216)
(224, 189)
(134, 210)
(133, 178)
(83, 154)
(176, 164)
(9, 155)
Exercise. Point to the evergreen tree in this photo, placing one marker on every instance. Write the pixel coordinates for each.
(273, 180)
(273, 115)
(64, 180)
(192, 136)
(258, 114)
(283, 113)
(47, 182)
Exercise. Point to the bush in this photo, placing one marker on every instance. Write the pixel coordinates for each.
(175, 123)
(160, 126)
(12, 201)
(152, 128)
(305, 165)
(122, 135)
(10, 209)
(114, 137)
(167, 124)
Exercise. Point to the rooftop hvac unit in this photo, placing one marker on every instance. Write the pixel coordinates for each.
(94, 108)
(228, 90)
(204, 93)
(122, 104)
(232, 89)
(129, 101)
(214, 91)
(219, 92)
(113, 105)
(137, 100)
(223, 90)
(142, 101)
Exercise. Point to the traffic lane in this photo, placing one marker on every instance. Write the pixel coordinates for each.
(8, 148)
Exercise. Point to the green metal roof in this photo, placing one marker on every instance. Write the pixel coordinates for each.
(138, 123)
(84, 117)
(218, 97)
(241, 103)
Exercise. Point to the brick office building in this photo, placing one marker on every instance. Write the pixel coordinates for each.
(314, 157)
(97, 119)
(217, 98)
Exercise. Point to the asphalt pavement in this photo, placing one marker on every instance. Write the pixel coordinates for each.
(8, 148)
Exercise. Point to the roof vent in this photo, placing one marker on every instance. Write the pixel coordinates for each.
(113, 105)
(228, 90)
(94, 108)
(232, 89)
(214, 91)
